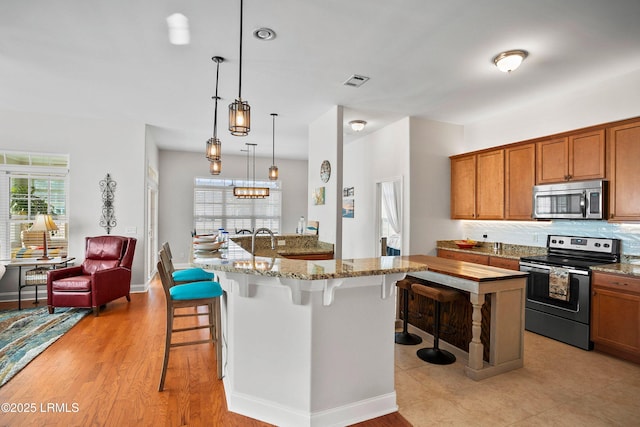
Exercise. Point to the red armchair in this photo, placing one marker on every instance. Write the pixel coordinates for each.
(105, 275)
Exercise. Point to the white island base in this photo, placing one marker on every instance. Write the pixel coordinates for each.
(309, 352)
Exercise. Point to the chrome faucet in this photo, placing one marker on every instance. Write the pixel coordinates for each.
(258, 231)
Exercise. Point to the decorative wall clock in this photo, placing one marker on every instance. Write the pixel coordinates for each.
(325, 171)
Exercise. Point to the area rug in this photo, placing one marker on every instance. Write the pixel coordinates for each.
(24, 334)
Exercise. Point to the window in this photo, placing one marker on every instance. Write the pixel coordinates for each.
(216, 207)
(32, 184)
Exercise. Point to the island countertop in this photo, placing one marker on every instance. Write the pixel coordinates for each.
(237, 260)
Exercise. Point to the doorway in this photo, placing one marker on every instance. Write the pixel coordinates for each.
(389, 217)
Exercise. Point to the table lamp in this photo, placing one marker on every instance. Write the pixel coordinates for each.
(45, 224)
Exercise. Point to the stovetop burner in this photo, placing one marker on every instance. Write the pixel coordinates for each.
(578, 252)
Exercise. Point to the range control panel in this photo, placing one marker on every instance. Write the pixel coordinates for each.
(591, 244)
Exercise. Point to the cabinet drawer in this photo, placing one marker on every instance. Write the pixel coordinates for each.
(617, 282)
(508, 263)
(462, 256)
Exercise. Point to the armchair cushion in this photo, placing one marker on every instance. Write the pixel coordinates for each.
(72, 284)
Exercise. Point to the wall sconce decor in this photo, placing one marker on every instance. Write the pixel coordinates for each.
(108, 188)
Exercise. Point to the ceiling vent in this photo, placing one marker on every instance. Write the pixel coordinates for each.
(356, 80)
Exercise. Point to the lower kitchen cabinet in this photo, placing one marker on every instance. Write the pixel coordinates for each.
(495, 261)
(615, 315)
(462, 256)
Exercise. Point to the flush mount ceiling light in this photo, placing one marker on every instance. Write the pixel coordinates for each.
(178, 29)
(264, 34)
(214, 146)
(273, 170)
(357, 125)
(510, 60)
(239, 110)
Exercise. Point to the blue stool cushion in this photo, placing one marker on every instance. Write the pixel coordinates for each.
(192, 275)
(196, 290)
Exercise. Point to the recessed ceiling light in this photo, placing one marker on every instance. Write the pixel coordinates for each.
(509, 60)
(178, 29)
(264, 34)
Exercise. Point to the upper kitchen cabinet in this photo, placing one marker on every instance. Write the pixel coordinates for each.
(520, 177)
(572, 158)
(624, 186)
(477, 186)
(463, 187)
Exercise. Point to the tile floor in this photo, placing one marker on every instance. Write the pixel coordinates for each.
(559, 385)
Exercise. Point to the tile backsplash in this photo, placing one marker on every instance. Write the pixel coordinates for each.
(535, 233)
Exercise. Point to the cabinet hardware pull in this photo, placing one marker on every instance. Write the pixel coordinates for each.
(618, 283)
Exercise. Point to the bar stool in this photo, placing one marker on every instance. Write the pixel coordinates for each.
(404, 337)
(438, 295)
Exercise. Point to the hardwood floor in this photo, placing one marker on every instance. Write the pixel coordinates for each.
(105, 372)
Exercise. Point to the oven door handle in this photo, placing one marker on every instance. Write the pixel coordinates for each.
(536, 268)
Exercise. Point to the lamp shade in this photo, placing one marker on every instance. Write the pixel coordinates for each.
(43, 223)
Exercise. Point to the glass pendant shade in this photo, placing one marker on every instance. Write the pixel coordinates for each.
(273, 173)
(215, 167)
(239, 118)
(214, 149)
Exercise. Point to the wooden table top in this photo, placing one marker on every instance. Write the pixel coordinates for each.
(465, 270)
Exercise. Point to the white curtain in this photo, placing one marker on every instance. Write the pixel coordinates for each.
(391, 203)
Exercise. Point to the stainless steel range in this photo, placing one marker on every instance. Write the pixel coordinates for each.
(559, 286)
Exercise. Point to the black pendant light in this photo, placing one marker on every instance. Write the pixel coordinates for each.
(214, 146)
(273, 170)
(239, 110)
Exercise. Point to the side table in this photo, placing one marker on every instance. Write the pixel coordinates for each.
(37, 276)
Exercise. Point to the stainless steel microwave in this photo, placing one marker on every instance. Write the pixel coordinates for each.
(571, 200)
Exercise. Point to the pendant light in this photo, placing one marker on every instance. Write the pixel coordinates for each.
(239, 110)
(273, 170)
(214, 146)
(250, 191)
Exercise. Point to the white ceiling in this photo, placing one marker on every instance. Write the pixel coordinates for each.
(426, 58)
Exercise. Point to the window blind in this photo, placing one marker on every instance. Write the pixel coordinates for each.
(216, 207)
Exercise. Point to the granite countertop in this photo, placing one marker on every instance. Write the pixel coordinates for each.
(237, 260)
(486, 248)
(629, 264)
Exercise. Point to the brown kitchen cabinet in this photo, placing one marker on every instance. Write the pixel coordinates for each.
(615, 315)
(520, 177)
(624, 185)
(508, 263)
(464, 256)
(477, 186)
(571, 158)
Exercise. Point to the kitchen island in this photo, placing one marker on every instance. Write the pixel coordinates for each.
(310, 343)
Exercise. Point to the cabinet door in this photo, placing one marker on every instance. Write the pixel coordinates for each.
(520, 177)
(508, 263)
(463, 187)
(552, 161)
(624, 143)
(587, 156)
(490, 185)
(462, 256)
(615, 320)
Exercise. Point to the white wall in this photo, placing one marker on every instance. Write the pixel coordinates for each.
(96, 147)
(175, 197)
(325, 143)
(376, 157)
(432, 143)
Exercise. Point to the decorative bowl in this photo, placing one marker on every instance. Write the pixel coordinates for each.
(465, 244)
(207, 246)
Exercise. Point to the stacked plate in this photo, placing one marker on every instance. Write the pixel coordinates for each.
(205, 244)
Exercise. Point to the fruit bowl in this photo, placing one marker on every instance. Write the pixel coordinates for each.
(465, 244)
